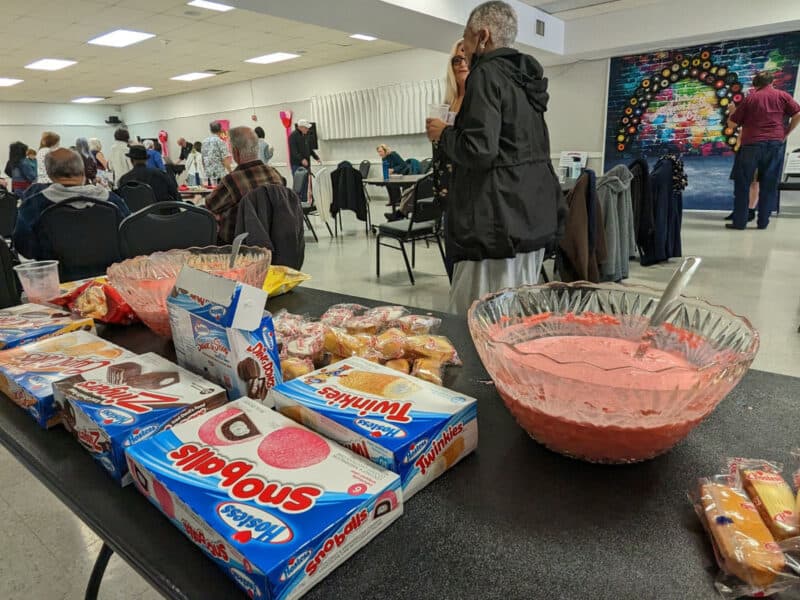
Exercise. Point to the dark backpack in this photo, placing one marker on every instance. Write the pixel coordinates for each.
(9, 285)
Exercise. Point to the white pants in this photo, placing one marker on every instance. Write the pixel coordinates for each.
(474, 278)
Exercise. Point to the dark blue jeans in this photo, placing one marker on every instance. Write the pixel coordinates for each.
(767, 157)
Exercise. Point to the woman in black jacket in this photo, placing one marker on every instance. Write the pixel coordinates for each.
(504, 188)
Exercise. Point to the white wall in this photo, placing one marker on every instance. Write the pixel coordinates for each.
(575, 117)
(25, 122)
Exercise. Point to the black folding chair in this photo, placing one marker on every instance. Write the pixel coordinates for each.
(425, 165)
(364, 168)
(424, 224)
(83, 233)
(8, 213)
(165, 226)
(137, 195)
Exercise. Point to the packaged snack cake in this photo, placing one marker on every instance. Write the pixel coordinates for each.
(222, 332)
(28, 322)
(118, 405)
(275, 505)
(409, 426)
(27, 373)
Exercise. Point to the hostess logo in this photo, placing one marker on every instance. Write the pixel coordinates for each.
(379, 429)
(112, 416)
(294, 565)
(254, 525)
(142, 433)
(244, 582)
(415, 449)
(216, 312)
(200, 330)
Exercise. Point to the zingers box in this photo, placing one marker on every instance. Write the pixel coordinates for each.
(28, 322)
(275, 505)
(27, 373)
(115, 406)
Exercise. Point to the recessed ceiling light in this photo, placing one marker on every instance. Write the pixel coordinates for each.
(363, 37)
(272, 58)
(121, 38)
(191, 76)
(8, 82)
(50, 64)
(87, 99)
(210, 5)
(134, 89)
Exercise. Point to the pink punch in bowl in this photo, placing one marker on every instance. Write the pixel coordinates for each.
(564, 360)
(146, 281)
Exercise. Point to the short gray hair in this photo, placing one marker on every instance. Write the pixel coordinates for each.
(63, 163)
(149, 144)
(499, 18)
(245, 141)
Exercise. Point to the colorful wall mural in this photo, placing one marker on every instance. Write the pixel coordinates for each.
(677, 101)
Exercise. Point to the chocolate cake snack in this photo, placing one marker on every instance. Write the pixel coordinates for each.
(121, 372)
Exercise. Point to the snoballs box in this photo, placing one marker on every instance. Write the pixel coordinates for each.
(222, 332)
(27, 373)
(28, 322)
(275, 505)
(409, 426)
(118, 405)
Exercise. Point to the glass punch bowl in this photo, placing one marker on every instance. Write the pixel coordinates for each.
(606, 410)
(146, 281)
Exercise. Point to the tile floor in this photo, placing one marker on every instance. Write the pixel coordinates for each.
(47, 553)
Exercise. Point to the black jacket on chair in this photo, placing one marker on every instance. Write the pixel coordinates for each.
(504, 190)
(348, 191)
(272, 216)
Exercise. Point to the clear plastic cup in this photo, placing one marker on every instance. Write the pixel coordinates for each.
(39, 279)
(438, 111)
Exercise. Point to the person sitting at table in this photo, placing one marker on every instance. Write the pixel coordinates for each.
(164, 186)
(195, 175)
(65, 169)
(397, 165)
(250, 173)
(154, 160)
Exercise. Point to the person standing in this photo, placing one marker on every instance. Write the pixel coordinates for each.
(186, 149)
(762, 115)
(89, 163)
(48, 143)
(21, 170)
(250, 173)
(265, 151)
(118, 160)
(456, 82)
(503, 181)
(300, 151)
(96, 148)
(217, 159)
(194, 165)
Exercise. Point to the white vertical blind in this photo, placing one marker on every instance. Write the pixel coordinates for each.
(398, 109)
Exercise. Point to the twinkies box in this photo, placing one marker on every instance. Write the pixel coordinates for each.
(409, 426)
(29, 322)
(222, 332)
(274, 504)
(118, 405)
(27, 373)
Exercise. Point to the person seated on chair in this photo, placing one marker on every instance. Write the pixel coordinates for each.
(65, 168)
(164, 186)
(397, 165)
(250, 173)
(154, 159)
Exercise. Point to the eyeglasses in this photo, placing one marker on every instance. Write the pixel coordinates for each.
(457, 60)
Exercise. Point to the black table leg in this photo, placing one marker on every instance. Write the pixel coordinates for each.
(98, 571)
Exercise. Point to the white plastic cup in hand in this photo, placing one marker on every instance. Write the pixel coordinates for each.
(39, 279)
(438, 111)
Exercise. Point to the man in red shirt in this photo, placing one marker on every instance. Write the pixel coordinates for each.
(762, 115)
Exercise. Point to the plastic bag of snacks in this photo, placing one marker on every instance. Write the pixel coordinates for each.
(97, 299)
(386, 314)
(764, 484)
(293, 367)
(436, 347)
(337, 314)
(281, 279)
(738, 511)
(417, 324)
(428, 369)
(287, 325)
